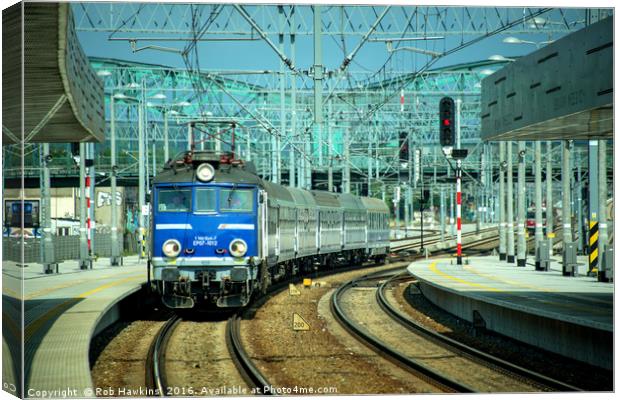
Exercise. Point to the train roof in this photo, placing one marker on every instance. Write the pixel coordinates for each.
(325, 199)
(373, 204)
(228, 171)
(183, 170)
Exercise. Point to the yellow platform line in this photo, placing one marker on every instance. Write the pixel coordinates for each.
(34, 326)
(433, 268)
(534, 287)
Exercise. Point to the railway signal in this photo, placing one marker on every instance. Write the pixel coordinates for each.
(446, 122)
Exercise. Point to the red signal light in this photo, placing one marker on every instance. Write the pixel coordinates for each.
(446, 122)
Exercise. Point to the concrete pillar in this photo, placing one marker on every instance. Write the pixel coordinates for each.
(577, 203)
(442, 213)
(369, 183)
(510, 237)
(47, 242)
(346, 173)
(330, 165)
(567, 235)
(115, 249)
(521, 209)
(142, 176)
(330, 150)
(91, 209)
(190, 140)
(594, 253)
(538, 233)
(602, 199)
(502, 201)
(549, 201)
(166, 141)
(84, 259)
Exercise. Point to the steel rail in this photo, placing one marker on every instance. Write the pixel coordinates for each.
(433, 239)
(248, 370)
(155, 360)
(429, 374)
(472, 353)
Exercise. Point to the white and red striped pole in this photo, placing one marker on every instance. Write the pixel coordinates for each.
(87, 191)
(459, 248)
(402, 100)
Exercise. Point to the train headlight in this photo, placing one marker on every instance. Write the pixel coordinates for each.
(171, 248)
(205, 172)
(238, 248)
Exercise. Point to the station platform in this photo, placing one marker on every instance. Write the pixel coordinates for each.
(62, 312)
(571, 316)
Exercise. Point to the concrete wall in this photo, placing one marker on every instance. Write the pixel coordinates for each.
(587, 344)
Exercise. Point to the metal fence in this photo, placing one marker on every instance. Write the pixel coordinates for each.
(65, 247)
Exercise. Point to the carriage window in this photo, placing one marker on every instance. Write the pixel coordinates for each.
(236, 200)
(174, 200)
(205, 200)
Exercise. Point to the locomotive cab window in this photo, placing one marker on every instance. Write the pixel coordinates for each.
(174, 200)
(236, 200)
(205, 200)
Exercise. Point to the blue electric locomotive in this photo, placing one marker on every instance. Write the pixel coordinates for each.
(219, 233)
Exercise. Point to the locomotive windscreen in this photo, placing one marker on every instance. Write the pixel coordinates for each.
(236, 200)
(174, 200)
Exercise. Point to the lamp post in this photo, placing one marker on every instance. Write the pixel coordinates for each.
(515, 40)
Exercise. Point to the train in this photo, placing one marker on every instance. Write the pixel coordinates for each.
(221, 235)
(22, 218)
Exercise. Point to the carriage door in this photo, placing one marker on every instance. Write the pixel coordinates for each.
(278, 241)
(342, 230)
(264, 233)
(296, 235)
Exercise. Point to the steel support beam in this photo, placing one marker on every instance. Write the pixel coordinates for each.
(510, 251)
(502, 202)
(318, 92)
(538, 230)
(521, 209)
(549, 200)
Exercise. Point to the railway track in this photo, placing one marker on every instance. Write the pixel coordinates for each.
(252, 375)
(155, 359)
(411, 243)
(443, 383)
(157, 378)
(491, 361)
(451, 367)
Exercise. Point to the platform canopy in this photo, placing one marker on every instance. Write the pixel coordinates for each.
(562, 91)
(61, 97)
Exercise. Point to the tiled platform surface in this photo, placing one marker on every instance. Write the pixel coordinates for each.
(62, 312)
(572, 316)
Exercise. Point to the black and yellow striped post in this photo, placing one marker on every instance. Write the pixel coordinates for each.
(143, 243)
(593, 260)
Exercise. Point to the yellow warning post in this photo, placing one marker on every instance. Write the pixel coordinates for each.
(307, 282)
